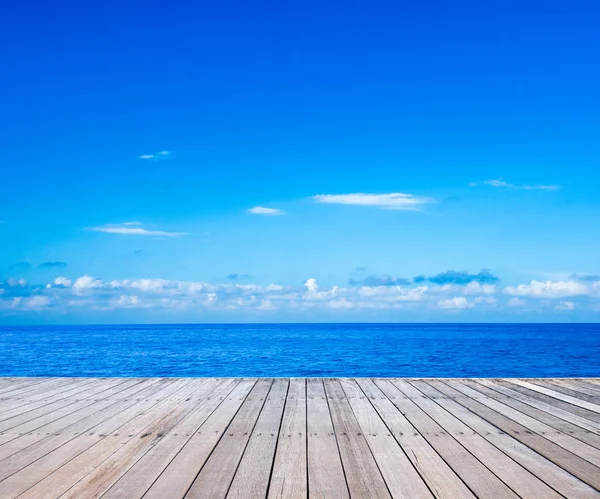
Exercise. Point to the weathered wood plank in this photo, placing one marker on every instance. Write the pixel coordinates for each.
(400, 476)
(298, 438)
(179, 475)
(560, 396)
(289, 479)
(538, 404)
(55, 451)
(138, 479)
(572, 463)
(505, 468)
(557, 478)
(551, 420)
(362, 474)
(215, 477)
(326, 477)
(442, 481)
(479, 478)
(147, 431)
(582, 449)
(252, 476)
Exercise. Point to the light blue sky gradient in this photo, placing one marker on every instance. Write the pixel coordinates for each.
(136, 137)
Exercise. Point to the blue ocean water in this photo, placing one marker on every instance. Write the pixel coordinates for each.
(427, 350)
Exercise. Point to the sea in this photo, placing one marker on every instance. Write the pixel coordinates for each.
(312, 350)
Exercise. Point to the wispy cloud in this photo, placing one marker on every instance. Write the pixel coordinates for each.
(261, 210)
(379, 280)
(484, 276)
(52, 265)
(133, 229)
(500, 182)
(391, 201)
(156, 155)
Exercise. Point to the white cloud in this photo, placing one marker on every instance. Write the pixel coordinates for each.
(311, 285)
(261, 210)
(548, 289)
(90, 293)
(59, 282)
(456, 303)
(486, 299)
(156, 155)
(391, 201)
(84, 283)
(132, 229)
(565, 305)
(516, 302)
(475, 288)
(500, 182)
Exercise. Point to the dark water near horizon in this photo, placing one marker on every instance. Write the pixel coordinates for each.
(329, 350)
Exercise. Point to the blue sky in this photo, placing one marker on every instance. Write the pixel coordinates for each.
(147, 148)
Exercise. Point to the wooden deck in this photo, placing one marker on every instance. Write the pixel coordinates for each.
(295, 438)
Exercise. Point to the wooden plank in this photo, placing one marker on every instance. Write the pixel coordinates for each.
(30, 420)
(326, 477)
(442, 481)
(552, 421)
(179, 475)
(478, 478)
(48, 396)
(35, 431)
(560, 396)
(142, 434)
(401, 477)
(19, 481)
(578, 447)
(289, 479)
(500, 387)
(20, 396)
(557, 478)
(151, 409)
(578, 467)
(588, 384)
(505, 468)
(565, 406)
(218, 471)
(24, 384)
(137, 480)
(569, 389)
(103, 460)
(92, 423)
(362, 474)
(252, 476)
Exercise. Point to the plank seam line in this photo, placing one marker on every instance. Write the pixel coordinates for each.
(187, 441)
(58, 419)
(249, 437)
(67, 441)
(365, 438)
(116, 429)
(457, 441)
(276, 442)
(217, 442)
(394, 436)
(66, 405)
(565, 421)
(200, 388)
(337, 444)
(85, 387)
(536, 432)
(525, 444)
(424, 439)
(494, 445)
